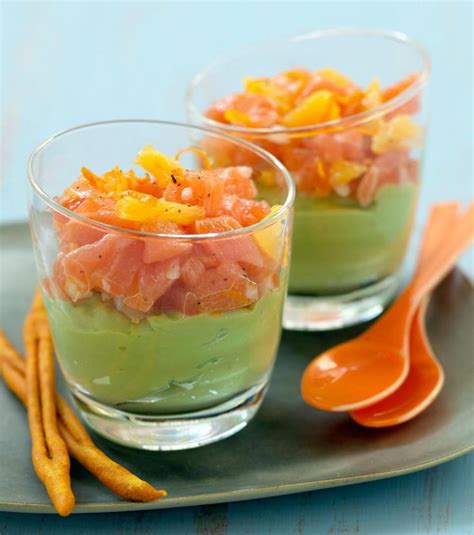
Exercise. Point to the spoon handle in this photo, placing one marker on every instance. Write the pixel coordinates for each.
(452, 233)
(441, 215)
(457, 234)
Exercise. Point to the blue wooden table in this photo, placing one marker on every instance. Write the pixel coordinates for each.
(437, 501)
(67, 63)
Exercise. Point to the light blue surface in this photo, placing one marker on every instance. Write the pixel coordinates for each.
(66, 63)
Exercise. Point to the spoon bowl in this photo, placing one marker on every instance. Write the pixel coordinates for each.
(367, 369)
(423, 383)
(353, 375)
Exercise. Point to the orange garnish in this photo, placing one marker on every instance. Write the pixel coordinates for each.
(394, 90)
(114, 180)
(320, 168)
(237, 117)
(322, 185)
(296, 80)
(205, 160)
(146, 208)
(334, 76)
(321, 106)
(372, 96)
(266, 87)
(343, 172)
(91, 177)
(160, 166)
(400, 133)
(143, 184)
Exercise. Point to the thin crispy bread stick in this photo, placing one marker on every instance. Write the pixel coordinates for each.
(80, 446)
(49, 451)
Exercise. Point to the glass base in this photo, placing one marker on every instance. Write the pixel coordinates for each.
(171, 432)
(323, 313)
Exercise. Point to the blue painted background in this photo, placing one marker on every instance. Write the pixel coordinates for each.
(67, 63)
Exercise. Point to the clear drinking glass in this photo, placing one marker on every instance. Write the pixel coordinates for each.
(187, 359)
(349, 240)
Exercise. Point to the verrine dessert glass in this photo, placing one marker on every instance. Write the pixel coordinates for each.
(165, 314)
(345, 111)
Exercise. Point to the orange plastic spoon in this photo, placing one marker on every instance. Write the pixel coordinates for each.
(363, 371)
(426, 377)
(418, 391)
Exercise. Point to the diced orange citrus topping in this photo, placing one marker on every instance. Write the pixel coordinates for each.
(238, 117)
(372, 96)
(320, 168)
(334, 76)
(266, 87)
(91, 177)
(400, 133)
(146, 208)
(395, 89)
(203, 156)
(321, 106)
(293, 82)
(322, 186)
(160, 166)
(112, 181)
(370, 128)
(343, 172)
(117, 181)
(269, 239)
(143, 184)
(349, 103)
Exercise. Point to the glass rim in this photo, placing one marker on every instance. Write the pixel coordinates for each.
(57, 207)
(351, 120)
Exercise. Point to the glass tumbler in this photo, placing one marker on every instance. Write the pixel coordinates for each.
(357, 177)
(185, 358)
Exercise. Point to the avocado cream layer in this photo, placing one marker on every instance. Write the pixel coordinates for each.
(167, 363)
(339, 246)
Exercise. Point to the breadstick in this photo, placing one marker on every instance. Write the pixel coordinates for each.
(80, 446)
(49, 451)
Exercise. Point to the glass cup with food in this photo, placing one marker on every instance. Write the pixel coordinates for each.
(345, 112)
(163, 276)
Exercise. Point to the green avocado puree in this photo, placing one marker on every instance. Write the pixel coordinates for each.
(166, 363)
(339, 246)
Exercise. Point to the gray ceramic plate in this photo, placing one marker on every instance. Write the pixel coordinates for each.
(287, 448)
